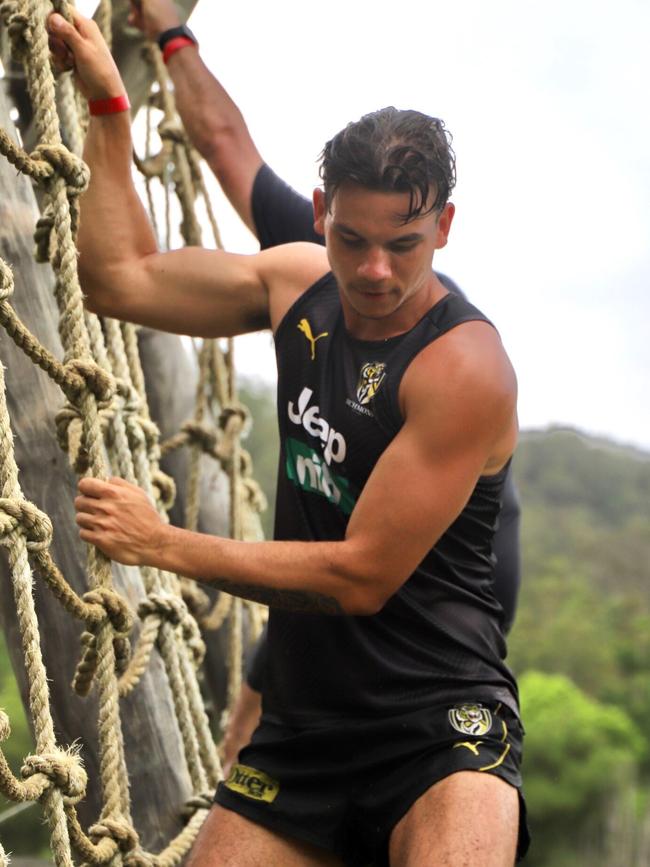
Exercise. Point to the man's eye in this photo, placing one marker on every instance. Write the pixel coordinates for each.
(351, 242)
(403, 248)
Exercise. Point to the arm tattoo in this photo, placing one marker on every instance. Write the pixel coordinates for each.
(302, 601)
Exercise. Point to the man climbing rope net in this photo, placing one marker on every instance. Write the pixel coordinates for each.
(390, 731)
(276, 214)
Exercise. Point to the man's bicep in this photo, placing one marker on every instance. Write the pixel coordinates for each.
(413, 495)
(205, 293)
(454, 431)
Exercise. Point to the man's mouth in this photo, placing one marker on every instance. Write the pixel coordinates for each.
(375, 293)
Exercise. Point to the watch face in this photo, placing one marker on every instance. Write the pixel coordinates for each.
(173, 33)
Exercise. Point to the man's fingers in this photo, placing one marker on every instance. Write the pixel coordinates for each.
(96, 488)
(63, 57)
(121, 483)
(89, 522)
(90, 505)
(60, 29)
(72, 34)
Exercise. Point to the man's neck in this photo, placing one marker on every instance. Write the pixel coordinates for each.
(403, 319)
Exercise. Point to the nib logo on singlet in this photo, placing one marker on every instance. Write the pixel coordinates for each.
(309, 469)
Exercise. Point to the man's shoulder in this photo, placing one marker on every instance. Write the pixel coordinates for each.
(465, 371)
(288, 271)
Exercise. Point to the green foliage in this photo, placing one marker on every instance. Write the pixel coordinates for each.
(581, 641)
(20, 742)
(577, 749)
(23, 833)
(263, 441)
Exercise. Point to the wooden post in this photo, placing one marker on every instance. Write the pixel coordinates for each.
(159, 779)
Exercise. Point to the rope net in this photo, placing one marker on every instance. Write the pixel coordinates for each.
(106, 428)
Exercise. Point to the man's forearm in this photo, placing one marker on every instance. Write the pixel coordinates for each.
(311, 577)
(216, 127)
(114, 226)
(205, 107)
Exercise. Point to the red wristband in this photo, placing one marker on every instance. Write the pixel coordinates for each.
(109, 106)
(175, 45)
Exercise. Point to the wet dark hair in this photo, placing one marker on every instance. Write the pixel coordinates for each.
(393, 151)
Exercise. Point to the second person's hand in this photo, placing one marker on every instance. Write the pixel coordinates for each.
(153, 16)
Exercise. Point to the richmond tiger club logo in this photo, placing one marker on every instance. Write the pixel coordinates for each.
(470, 719)
(371, 377)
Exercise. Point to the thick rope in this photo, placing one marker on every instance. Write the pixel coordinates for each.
(17, 536)
(102, 379)
(216, 378)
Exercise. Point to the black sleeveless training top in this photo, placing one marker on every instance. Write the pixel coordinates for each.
(438, 639)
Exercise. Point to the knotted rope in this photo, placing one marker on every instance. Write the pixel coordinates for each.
(101, 378)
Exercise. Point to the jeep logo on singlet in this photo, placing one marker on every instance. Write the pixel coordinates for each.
(316, 426)
(306, 467)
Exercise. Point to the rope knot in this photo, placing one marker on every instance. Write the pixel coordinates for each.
(163, 605)
(36, 526)
(64, 769)
(234, 417)
(66, 165)
(141, 431)
(80, 374)
(69, 430)
(200, 435)
(118, 830)
(170, 130)
(175, 610)
(6, 281)
(166, 488)
(84, 371)
(200, 801)
(115, 607)
(19, 28)
(107, 606)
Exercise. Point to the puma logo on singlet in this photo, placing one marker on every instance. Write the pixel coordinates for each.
(305, 327)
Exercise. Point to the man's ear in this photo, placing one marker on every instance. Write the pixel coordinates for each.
(444, 225)
(320, 210)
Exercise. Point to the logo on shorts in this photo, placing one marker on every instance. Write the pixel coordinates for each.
(470, 719)
(252, 783)
(371, 377)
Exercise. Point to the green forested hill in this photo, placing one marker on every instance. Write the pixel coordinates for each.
(565, 469)
(581, 647)
(588, 501)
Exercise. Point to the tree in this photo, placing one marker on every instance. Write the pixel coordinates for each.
(578, 755)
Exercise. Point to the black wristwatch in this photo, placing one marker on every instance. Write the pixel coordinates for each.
(173, 32)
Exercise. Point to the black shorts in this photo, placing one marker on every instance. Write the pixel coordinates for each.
(344, 786)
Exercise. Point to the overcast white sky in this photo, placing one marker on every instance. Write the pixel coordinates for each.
(548, 106)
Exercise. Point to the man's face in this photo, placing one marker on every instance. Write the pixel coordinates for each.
(382, 265)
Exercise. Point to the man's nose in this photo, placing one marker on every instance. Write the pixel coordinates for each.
(375, 266)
